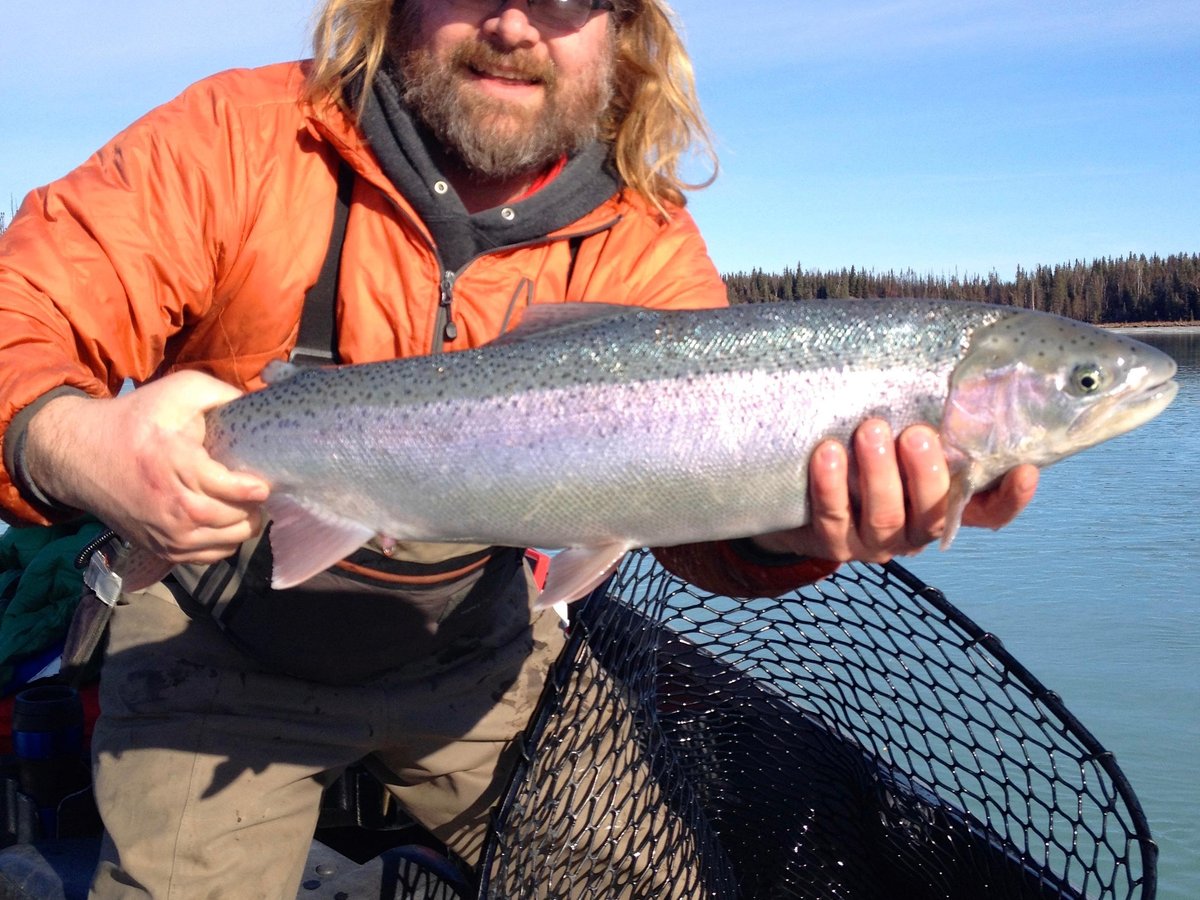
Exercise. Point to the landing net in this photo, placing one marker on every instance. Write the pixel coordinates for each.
(854, 740)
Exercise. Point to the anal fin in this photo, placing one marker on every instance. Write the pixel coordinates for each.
(577, 571)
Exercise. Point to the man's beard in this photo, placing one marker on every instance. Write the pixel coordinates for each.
(493, 139)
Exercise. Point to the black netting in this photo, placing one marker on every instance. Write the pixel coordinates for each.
(857, 739)
(413, 873)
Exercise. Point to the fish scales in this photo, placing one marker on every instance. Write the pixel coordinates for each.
(630, 405)
(605, 428)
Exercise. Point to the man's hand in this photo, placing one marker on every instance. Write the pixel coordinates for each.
(138, 463)
(900, 503)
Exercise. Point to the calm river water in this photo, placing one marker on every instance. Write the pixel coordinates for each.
(1096, 589)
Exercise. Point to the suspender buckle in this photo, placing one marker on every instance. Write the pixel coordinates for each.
(99, 575)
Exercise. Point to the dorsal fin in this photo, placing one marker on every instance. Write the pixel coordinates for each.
(277, 370)
(543, 318)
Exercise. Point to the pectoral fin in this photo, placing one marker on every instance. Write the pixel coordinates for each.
(964, 483)
(577, 571)
(305, 542)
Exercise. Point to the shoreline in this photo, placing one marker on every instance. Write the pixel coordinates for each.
(1160, 327)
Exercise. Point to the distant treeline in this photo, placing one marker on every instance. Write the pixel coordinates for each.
(1110, 291)
(1138, 288)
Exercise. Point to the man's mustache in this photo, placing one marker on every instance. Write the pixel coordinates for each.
(520, 65)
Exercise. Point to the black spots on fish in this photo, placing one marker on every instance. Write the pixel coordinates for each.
(369, 396)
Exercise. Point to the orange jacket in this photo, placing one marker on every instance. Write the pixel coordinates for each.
(190, 239)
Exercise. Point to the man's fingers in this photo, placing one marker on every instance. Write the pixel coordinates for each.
(216, 509)
(926, 483)
(204, 543)
(1003, 503)
(211, 479)
(882, 513)
(223, 499)
(831, 520)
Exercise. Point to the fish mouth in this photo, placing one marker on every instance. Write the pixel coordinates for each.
(1125, 411)
(1157, 398)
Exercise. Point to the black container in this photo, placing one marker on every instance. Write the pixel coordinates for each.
(48, 741)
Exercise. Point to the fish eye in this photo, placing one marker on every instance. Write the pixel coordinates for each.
(1087, 379)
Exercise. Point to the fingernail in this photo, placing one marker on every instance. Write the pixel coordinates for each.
(830, 456)
(916, 441)
(875, 438)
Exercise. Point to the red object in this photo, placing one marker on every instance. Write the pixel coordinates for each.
(89, 695)
(541, 565)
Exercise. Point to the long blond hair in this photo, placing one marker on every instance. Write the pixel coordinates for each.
(654, 123)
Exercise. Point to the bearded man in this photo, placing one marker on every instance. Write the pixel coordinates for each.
(439, 165)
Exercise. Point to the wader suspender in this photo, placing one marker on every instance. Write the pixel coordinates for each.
(317, 341)
(212, 587)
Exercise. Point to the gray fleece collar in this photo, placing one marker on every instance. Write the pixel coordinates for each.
(401, 144)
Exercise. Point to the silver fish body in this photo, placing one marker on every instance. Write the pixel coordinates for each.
(599, 429)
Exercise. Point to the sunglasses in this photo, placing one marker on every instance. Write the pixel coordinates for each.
(558, 15)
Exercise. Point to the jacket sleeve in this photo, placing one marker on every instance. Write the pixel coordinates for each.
(737, 569)
(100, 269)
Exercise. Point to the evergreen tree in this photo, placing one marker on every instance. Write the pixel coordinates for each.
(1135, 289)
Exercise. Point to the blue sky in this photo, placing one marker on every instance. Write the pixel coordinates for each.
(941, 136)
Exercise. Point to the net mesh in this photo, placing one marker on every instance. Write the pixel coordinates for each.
(855, 739)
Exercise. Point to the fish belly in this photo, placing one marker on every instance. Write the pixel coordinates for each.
(655, 463)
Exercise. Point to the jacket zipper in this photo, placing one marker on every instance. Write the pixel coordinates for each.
(445, 317)
(444, 329)
(444, 326)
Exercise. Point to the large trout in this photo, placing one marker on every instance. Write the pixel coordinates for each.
(600, 428)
